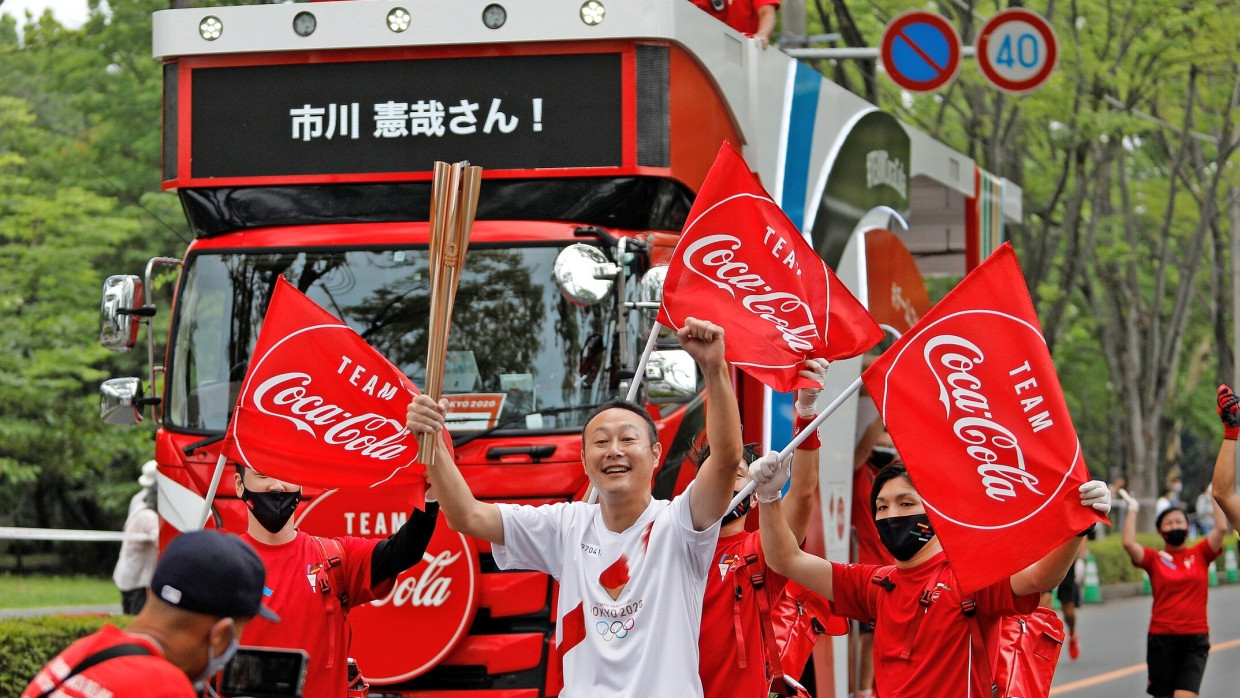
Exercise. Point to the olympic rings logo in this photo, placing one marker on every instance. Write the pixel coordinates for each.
(616, 629)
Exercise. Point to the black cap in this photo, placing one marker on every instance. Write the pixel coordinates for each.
(214, 573)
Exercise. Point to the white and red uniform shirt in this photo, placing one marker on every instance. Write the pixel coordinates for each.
(305, 620)
(1180, 585)
(148, 675)
(733, 661)
(629, 604)
(941, 657)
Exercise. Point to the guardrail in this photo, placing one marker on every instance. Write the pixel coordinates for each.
(18, 533)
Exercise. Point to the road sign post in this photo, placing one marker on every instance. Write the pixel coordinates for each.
(1017, 50)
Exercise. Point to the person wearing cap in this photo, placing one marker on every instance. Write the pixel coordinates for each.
(313, 581)
(205, 589)
(139, 550)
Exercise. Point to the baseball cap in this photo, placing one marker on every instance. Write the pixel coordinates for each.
(147, 478)
(214, 573)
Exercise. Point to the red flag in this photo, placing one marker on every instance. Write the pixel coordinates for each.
(320, 407)
(741, 264)
(973, 403)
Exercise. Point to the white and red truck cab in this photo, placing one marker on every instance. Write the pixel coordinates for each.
(301, 138)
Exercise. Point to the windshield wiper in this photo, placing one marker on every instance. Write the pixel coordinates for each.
(458, 441)
(218, 436)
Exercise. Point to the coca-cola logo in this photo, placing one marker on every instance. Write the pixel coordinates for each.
(292, 397)
(996, 404)
(753, 276)
(319, 407)
(435, 600)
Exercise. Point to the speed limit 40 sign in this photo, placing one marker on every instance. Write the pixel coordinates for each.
(1016, 50)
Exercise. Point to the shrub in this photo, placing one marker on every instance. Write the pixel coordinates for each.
(1113, 563)
(30, 642)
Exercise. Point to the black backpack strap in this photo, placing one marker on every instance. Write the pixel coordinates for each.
(126, 650)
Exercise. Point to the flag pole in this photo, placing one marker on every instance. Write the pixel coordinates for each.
(639, 372)
(796, 440)
(215, 485)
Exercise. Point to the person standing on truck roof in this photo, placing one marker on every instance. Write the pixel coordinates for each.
(733, 654)
(631, 569)
(207, 586)
(754, 18)
(314, 581)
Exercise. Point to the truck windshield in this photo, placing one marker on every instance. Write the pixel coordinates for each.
(516, 346)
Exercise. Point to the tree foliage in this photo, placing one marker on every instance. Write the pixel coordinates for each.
(1126, 158)
(79, 197)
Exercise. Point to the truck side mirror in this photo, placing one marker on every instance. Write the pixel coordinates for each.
(583, 274)
(122, 303)
(671, 376)
(119, 400)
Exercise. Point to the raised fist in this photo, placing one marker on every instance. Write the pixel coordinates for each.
(807, 398)
(1229, 412)
(769, 476)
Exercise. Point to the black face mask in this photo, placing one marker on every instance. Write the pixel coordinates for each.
(740, 510)
(1175, 536)
(904, 536)
(881, 456)
(272, 509)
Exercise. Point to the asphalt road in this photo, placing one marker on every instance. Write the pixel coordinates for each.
(1112, 662)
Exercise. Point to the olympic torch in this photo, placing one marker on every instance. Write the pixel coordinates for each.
(454, 201)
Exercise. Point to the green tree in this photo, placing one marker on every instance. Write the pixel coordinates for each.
(1125, 158)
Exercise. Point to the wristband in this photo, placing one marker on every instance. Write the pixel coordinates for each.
(1230, 433)
(811, 442)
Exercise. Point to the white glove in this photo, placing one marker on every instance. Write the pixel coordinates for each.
(769, 476)
(807, 398)
(1095, 494)
(1133, 506)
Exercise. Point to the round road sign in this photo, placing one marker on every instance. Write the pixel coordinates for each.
(920, 51)
(1017, 50)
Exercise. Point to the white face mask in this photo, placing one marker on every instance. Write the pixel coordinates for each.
(216, 664)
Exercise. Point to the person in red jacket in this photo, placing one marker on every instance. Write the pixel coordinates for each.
(1178, 642)
(302, 589)
(733, 659)
(204, 590)
(922, 641)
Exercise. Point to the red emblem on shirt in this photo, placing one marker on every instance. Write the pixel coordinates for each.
(615, 577)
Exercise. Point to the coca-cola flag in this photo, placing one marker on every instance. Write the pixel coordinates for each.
(319, 407)
(741, 264)
(973, 403)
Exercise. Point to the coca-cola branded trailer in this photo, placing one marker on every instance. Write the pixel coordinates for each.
(300, 139)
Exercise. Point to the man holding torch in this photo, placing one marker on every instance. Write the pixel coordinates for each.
(632, 569)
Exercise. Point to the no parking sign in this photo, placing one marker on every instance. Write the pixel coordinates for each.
(1017, 50)
(920, 51)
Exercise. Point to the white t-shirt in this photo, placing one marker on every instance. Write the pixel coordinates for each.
(630, 603)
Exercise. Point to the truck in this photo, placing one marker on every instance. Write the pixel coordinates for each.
(300, 140)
